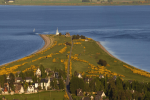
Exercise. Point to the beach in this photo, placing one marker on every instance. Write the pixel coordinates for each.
(47, 41)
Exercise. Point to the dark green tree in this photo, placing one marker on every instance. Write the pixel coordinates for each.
(75, 84)
(61, 84)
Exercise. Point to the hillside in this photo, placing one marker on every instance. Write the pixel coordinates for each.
(84, 59)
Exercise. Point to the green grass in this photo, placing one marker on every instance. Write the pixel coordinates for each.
(53, 95)
(91, 48)
(47, 62)
(89, 53)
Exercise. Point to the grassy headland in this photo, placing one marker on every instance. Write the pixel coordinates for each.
(84, 59)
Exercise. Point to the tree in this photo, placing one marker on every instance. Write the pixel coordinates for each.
(60, 34)
(75, 73)
(75, 84)
(43, 74)
(11, 80)
(61, 84)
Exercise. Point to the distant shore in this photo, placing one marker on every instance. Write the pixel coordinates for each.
(47, 3)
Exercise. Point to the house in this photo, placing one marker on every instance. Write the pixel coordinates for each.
(56, 75)
(79, 92)
(38, 72)
(5, 91)
(101, 76)
(30, 89)
(79, 75)
(47, 71)
(101, 94)
(45, 82)
(87, 80)
(67, 34)
(29, 79)
(85, 98)
(97, 97)
(92, 98)
(19, 89)
(10, 1)
(18, 79)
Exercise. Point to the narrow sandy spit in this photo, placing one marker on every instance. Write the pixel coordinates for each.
(47, 43)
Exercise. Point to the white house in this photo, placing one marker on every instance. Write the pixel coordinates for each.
(101, 94)
(79, 75)
(57, 33)
(29, 79)
(38, 72)
(30, 89)
(45, 82)
(18, 79)
(19, 89)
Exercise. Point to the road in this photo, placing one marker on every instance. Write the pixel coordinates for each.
(68, 75)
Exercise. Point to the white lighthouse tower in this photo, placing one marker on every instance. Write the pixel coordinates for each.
(57, 33)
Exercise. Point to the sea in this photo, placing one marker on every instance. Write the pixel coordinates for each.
(123, 30)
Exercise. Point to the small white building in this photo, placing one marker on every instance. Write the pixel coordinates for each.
(30, 89)
(79, 75)
(29, 79)
(46, 83)
(57, 33)
(38, 72)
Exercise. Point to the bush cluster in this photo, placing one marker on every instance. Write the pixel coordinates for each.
(102, 62)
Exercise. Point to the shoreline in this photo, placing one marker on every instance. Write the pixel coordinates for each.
(104, 49)
(46, 44)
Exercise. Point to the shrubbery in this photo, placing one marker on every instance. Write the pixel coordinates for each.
(102, 62)
(78, 36)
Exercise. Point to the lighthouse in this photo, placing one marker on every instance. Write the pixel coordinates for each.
(57, 33)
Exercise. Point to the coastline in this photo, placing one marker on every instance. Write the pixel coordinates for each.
(104, 49)
(47, 42)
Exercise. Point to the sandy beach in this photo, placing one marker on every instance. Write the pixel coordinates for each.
(47, 42)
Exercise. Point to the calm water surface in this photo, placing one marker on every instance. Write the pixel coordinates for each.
(123, 30)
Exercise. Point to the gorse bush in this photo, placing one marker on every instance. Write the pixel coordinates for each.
(102, 62)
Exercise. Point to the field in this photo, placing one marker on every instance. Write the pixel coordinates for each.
(49, 95)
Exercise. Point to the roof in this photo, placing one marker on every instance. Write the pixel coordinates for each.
(44, 80)
(18, 78)
(18, 87)
(79, 92)
(86, 98)
(97, 97)
(28, 78)
(99, 93)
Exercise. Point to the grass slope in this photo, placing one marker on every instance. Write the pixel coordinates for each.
(90, 54)
(53, 95)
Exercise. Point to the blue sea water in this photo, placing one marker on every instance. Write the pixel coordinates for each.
(123, 30)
